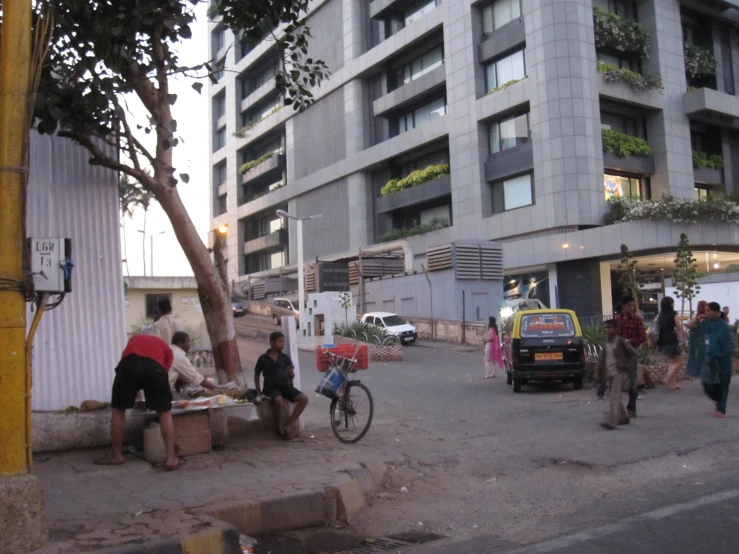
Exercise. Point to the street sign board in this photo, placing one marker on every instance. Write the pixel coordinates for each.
(333, 277)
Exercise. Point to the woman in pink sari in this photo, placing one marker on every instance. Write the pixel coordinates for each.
(493, 351)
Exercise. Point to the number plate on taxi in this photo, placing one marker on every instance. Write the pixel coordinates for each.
(546, 356)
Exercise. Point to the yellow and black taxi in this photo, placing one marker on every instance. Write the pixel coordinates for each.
(544, 345)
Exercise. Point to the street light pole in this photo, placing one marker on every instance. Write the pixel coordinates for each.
(151, 251)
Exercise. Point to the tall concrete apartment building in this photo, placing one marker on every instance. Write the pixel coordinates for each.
(507, 104)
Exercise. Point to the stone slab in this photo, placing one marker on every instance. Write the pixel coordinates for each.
(22, 521)
(349, 499)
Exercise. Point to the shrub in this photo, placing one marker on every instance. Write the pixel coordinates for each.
(701, 160)
(624, 145)
(254, 163)
(415, 178)
(699, 62)
(594, 333)
(675, 210)
(636, 81)
(645, 355)
(365, 332)
(620, 34)
(397, 234)
(506, 85)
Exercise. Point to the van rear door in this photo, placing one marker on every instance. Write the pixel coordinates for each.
(548, 339)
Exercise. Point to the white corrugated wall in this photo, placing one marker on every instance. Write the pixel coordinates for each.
(79, 343)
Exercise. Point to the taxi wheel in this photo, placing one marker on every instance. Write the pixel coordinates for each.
(517, 385)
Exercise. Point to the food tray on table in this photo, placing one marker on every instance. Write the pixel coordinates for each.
(323, 360)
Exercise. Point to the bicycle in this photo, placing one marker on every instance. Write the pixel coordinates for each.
(352, 403)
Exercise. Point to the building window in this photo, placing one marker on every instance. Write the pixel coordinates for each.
(505, 70)
(499, 13)
(422, 115)
(269, 261)
(261, 111)
(624, 8)
(621, 123)
(219, 139)
(219, 175)
(246, 45)
(151, 303)
(219, 40)
(701, 193)
(418, 9)
(269, 225)
(222, 204)
(509, 132)
(219, 106)
(618, 186)
(622, 63)
(420, 66)
(517, 192)
(220, 64)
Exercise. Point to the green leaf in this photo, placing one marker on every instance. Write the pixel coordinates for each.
(185, 178)
(198, 87)
(172, 99)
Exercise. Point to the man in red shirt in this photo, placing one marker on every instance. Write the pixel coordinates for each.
(631, 328)
(144, 365)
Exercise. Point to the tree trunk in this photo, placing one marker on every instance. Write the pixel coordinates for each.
(212, 291)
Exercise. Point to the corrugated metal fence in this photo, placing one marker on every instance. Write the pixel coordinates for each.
(79, 343)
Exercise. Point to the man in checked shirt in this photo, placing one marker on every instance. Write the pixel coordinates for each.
(630, 327)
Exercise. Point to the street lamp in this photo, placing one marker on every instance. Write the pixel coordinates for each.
(301, 282)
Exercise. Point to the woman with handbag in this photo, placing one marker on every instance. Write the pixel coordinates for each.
(671, 337)
(493, 352)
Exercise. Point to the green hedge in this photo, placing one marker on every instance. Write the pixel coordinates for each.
(699, 62)
(620, 34)
(415, 178)
(675, 210)
(701, 160)
(397, 234)
(506, 85)
(636, 81)
(624, 145)
(254, 163)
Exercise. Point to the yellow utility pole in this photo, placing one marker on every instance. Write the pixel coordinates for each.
(15, 55)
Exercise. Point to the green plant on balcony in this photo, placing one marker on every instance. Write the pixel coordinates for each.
(415, 178)
(701, 160)
(241, 133)
(674, 210)
(636, 81)
(254, 163)
(624, 145)
(506, 85)
(699, 62)
(620, 34)
(397, 234)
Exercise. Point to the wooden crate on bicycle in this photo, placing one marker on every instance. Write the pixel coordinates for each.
(344, 351)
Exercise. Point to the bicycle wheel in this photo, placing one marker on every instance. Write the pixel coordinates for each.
(351, 414)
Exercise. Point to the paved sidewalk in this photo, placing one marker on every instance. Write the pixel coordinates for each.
(91, 506)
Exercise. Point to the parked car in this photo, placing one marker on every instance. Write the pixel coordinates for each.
(544, 345)
(284, 306)
(393, 325)
(239, 307)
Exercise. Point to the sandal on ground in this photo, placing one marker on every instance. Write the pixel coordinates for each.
(719, 415)
(108, 461)
(180, 463)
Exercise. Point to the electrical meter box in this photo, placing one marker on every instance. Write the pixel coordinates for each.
(51, 264)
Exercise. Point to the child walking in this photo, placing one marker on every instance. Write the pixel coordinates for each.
(613, 366)
(493, 353)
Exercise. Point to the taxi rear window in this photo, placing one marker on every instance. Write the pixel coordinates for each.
(546, 325)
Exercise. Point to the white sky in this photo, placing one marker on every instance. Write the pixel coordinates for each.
(192, 157)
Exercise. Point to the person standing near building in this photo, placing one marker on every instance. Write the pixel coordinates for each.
(614, 362)
(717, 361)
(631, 328)
(493, 352)
(165, 324)
(671, 336)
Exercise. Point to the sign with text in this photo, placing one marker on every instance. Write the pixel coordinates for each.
(47, 255)
(333, 277)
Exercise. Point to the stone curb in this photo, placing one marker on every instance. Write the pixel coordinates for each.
(219, 539)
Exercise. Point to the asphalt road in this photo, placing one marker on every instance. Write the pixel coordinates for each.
(496, 471)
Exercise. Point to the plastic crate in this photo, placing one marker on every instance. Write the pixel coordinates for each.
(323, 360)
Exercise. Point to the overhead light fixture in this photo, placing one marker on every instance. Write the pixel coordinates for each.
(566, 245)
(716, 265)
(223, 229)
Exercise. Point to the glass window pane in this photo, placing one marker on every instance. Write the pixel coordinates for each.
(505, 11)
(495, 138)
(437, 108)
(487, 19)
(418, 10)
(517, 192)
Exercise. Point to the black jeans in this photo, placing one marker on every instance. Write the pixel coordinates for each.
(633, 394)
(719, 392)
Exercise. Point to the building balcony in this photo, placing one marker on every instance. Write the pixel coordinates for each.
(221, 122)
(222, 189)
(378, 8)
(273, 241)
(412, 92)
(258, 94)
(269, 169)
(504, 39)
(509, 162)
(424, 192)
(711, 106)
(709, 176)
(641, 165)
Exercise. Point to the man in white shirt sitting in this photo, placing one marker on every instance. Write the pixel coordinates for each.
(182, 370)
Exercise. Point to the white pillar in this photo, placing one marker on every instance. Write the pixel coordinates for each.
(606, 297)
(291, 349)
(301, 283)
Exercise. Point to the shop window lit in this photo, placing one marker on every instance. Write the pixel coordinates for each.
(616, 186)
(499, 13)
(505, 70)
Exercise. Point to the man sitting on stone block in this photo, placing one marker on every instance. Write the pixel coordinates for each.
(279, 372)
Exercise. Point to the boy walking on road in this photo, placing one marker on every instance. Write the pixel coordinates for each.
(613, 366)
